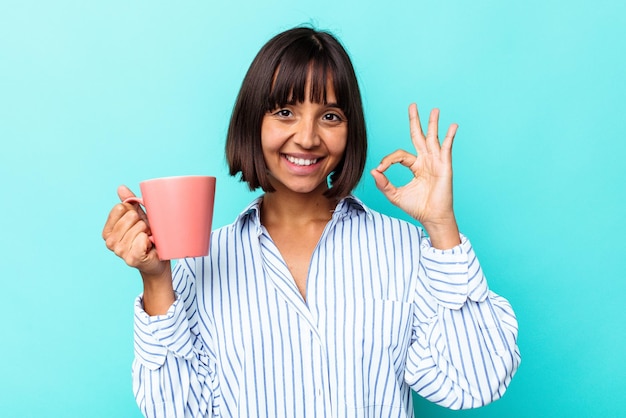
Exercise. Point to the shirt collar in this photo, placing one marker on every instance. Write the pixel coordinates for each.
(347, 207)
(351, 206)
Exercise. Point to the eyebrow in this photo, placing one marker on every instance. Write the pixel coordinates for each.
(292, 102)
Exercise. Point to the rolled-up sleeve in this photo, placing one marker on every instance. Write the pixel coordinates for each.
(174, 372)
(156, 336)
(464, 346)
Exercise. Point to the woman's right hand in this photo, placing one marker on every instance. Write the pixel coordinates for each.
(126, 233)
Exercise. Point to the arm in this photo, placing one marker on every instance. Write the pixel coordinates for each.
(174, 371)
(464, 350)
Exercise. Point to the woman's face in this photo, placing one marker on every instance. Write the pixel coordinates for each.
(303, 143)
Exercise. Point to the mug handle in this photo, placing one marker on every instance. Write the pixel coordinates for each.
(135, 199)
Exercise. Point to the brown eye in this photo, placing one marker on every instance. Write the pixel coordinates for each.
(284, 113)
(332, 117)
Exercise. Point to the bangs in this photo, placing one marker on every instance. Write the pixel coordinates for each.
(297, 67)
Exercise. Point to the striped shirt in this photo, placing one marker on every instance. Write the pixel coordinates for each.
(385, 314)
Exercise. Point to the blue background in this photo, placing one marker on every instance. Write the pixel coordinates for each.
(96, 94)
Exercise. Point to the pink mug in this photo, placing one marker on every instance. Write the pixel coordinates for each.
(180, 213)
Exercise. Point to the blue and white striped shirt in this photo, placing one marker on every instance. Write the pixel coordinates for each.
(385, 313)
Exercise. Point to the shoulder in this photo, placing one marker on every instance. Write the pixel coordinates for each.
(248, 219)
(357, 211)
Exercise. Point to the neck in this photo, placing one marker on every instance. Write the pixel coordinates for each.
(296, 208)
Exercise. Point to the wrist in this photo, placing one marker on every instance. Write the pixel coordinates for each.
(443, 235)
(158, 292)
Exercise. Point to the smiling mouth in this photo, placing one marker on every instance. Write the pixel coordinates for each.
(300, 161)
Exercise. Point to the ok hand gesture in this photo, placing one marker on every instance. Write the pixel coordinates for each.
(428, 196)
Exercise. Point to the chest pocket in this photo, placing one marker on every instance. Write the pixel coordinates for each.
(379, 331)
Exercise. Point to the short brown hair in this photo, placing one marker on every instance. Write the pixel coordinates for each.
(299, 52)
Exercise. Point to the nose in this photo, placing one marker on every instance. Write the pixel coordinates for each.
(308, 134)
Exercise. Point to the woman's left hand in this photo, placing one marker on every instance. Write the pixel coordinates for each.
(428, 196)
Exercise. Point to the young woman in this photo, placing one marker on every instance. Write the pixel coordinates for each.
(311, 304)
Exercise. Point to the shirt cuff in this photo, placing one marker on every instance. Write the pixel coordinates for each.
(155, 336)
(454, 275)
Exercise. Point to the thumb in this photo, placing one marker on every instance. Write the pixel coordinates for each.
(124, 193)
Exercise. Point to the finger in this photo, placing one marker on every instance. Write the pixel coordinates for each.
(138, 247)
(446, 146)
(399, 156)
(415, 127)
(116, 213)
(120, 209)
(432, 139)
(139, 250)
(135, 220)
(128, 225)
(121, 218)
(125, 237)
(124, 193)
(384, 185)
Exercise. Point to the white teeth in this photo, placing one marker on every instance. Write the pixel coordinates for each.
(300, 161)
